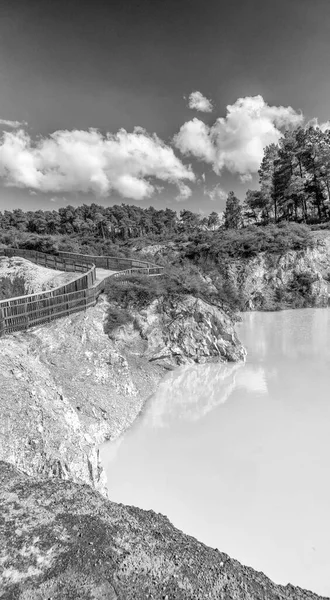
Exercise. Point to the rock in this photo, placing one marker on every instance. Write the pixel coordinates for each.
(185, 331)
(61, 540)
(294, 279)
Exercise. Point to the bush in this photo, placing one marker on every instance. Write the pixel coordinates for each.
(116, 317)
(248, 242)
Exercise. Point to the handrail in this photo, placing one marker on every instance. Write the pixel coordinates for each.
(46, 293)
(101, 261)
(21, 312)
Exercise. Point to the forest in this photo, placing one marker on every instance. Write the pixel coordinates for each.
(119, 222)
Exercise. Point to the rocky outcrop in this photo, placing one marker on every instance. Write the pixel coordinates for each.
(294, 279)
(183, 331)
(267, 280)
(61, 540)
(66, 387)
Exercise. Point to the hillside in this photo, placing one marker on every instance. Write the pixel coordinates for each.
(63, 541)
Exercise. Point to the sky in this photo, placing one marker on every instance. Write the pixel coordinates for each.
(150, 102)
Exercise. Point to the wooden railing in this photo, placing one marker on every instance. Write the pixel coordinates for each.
(113, 263)
(22, 312)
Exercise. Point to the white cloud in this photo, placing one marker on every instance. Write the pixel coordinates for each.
(324, 126)
(236, 142)
(217, 193)
(13, 124)
(315, 123)
(194, 138)
(184, 192)
(87, 161)
(199, 102)
(58, 199)
(246, 178)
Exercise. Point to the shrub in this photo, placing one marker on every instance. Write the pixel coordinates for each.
(116, 316)
(247, 242)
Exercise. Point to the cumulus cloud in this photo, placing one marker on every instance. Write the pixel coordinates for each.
(199, 102)
(217, 193)
(87, 161)
(324, 126)
(184, 192)
(13, 124)
(315, 123)
(237, 141)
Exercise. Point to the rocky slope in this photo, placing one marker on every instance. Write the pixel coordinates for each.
(293, 279)
(66, 387)
(63, 541)
(268, 281)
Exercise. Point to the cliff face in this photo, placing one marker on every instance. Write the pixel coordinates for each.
(61, 540)
(268, 281)
(294, 279)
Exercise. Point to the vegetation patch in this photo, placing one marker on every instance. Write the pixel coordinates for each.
(139, 291)
(12, 287)
(248, 242)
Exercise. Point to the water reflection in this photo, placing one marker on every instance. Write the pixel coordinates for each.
(287, 334)
(193, 391)
(238, 455)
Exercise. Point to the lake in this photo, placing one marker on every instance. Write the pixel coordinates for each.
(238, 455)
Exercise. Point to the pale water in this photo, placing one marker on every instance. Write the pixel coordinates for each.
(238, 455)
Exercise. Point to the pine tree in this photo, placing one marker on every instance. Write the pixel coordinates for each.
(233, 212)
(269, 207)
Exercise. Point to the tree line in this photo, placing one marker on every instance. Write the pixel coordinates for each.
(119, 222)
(294, 183)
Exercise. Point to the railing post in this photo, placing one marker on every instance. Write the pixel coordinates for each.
(2, 323)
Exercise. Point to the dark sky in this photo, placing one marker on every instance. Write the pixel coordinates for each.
(74, 65)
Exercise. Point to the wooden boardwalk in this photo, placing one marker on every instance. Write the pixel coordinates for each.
(102, 274)
(95, 273)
